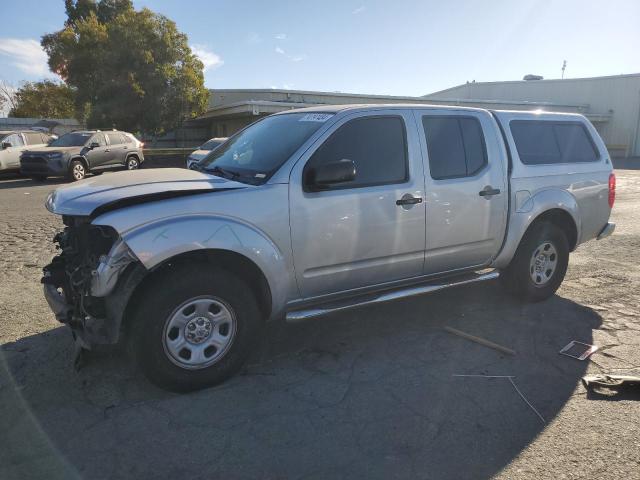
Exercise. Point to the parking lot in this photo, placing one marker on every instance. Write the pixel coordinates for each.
(367, 393)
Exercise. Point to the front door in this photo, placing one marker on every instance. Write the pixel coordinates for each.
(100, 155)
(466, 185)
(10, 156)
(364, 232)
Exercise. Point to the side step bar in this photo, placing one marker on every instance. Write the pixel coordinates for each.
(385, 296)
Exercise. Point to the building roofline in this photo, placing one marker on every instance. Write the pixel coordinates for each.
(219, 110)
(533, 103)
(550, 80)
(310, 92)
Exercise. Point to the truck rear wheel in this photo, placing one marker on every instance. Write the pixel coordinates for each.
(539, 265)
(194, 328)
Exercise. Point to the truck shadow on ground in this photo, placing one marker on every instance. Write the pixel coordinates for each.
(369, 393)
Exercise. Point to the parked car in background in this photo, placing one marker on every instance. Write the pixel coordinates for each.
(314, 211)
(75, 154)
(14, 142)
(204, 150)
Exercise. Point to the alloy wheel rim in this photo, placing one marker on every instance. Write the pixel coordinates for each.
(133, 164)
(199, 332)
(543, 263)
(78, 172)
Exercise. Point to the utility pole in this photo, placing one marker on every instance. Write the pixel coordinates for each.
(564, 65)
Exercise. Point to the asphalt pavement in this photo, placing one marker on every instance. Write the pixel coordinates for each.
(369, 393)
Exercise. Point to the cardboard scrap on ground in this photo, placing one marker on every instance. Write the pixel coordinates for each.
(611, 381)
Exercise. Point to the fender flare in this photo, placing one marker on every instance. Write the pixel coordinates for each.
(159, 241)
(527, 210)
(80, 157)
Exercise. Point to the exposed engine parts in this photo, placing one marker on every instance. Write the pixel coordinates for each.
(71, 272)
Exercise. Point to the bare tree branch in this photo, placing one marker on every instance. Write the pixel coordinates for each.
(7, 95)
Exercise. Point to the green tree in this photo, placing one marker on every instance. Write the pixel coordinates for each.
(131, 69)
(45, 99)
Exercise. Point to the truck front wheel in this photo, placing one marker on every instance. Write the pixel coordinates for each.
(194, 328)
(539, 265)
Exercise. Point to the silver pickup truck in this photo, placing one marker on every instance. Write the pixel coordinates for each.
(316, 210)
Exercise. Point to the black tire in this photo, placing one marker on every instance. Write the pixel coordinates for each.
(160, 302)
(132, 163)
(38, 178)
(77, 171)
(518, 277)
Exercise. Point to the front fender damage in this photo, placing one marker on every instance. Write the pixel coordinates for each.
(105, 277)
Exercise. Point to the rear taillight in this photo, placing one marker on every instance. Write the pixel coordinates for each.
(612, 189)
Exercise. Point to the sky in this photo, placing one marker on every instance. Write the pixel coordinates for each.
(397, 47)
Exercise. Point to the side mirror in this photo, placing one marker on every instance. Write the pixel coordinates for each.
(93, 145)
(329, 174)
(6, 145)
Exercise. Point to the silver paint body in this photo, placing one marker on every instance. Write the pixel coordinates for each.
(315, 247)
(10, 157)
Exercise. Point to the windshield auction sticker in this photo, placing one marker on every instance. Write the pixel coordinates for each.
(316, 117)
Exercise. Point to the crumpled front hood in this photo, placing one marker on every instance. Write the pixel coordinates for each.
(96, 195)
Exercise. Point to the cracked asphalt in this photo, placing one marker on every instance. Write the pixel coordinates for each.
(369, 393)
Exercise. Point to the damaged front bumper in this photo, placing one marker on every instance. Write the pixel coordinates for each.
(82, 285)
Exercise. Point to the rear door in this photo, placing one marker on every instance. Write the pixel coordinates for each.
(117, 148)
(466, 188)
(355, 234)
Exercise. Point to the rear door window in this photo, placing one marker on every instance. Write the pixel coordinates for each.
(455, 145)
(33, 138)
(114, 138)
(542, 142)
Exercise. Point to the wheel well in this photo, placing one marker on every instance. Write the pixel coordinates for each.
(225, 259)
(134, 155)
(564, 221)
(81, 159)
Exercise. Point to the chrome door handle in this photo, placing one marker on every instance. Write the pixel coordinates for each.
(489, 191)
(409, 199)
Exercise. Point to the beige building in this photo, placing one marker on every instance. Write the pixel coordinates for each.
(611, 103)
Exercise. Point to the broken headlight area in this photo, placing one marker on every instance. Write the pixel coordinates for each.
(73, 274)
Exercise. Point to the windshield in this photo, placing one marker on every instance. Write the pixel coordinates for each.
(75, 139)
(210, 145)
(258, 151)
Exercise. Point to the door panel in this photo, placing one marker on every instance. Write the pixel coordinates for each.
(350, 237)
(99, 156)
(117, 150)
(11, 155)
(466, 213)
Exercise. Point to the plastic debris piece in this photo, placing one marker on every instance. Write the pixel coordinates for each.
(578, 350)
